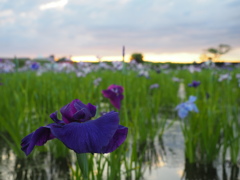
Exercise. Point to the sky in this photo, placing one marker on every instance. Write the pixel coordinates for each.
(159, 29)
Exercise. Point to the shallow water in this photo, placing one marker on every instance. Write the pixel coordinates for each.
(174, 167)
(164, 160)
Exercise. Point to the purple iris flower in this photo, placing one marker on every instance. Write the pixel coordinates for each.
(114, 93)
(35, 66)
(154, 86)
(194, 84)
(78, 132)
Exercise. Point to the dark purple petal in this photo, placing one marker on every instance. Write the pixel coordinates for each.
(116, 101)
(194, 84)
(82, 115)
(54, 117)
(25, 143)
(119, 88)
(37, 138)
(77, 111)
(114, 93)
(68, 111)
(92, 109)
(78, 104)
(108, 93)
(95, 136)
(118, 138)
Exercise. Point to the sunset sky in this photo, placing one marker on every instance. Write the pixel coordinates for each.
(159, 29)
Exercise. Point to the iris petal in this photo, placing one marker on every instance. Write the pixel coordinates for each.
(54, 117)
(118, 138)
(67, 112)
(108, 93)
(82, 115)
(194, 108)
(92, 136)
(185, 107)
(192, 99)
(92, 109)
(78, 104)
(77, 111)
(182, 112)
(116, 101)
(114, 93)
(37, 138)
(119, 88)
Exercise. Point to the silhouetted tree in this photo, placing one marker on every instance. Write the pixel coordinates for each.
(220, 50)
(138, 57)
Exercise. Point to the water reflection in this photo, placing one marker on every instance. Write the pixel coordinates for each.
(41, 167)
(200, 171)
(210, 171)
(27, 170)
(159, 158)
(151, 151)
(231, 171)
(175, 167)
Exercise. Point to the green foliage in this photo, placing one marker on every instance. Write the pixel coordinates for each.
(138, 57)
(28, 100)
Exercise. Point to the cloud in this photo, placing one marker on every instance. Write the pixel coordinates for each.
(102, 27)
(6, 13)
(6, 17)
(54, 4)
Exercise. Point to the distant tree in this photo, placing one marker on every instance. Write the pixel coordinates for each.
(220, 50)
(63, 59)
(138, 57)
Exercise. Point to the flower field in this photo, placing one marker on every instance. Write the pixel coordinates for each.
(149, 101)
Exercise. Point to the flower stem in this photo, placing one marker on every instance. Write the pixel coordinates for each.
(83, 164)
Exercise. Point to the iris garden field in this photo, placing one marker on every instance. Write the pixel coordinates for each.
(200, 104)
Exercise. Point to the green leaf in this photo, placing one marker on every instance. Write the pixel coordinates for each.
(83, 164)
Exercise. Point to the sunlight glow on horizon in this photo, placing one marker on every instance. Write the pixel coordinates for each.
(175, 58)
(162, 58)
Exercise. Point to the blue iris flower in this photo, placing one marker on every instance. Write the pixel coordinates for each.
(187, 106)
(78, 132)
(35, 66)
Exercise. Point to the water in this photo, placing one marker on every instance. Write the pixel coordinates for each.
(163, 160)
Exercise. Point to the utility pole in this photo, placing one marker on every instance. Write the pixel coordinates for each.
(123, 53)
